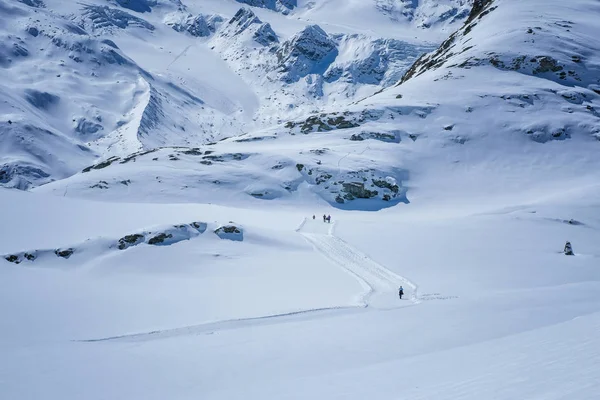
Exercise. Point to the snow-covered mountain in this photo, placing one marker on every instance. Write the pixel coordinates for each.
(168, 166)
(137, 91)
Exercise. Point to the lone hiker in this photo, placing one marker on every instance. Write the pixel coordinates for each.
(401, 292)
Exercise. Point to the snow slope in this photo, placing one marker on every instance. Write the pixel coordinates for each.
(194, 318)
(180, 251)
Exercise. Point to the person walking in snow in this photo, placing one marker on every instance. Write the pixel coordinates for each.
(401, 292)
(329, 218)
(313, 216)
(324, 218)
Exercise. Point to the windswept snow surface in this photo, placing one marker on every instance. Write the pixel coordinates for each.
(492, 304)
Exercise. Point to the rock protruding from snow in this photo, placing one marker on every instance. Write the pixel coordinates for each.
(140, 6)
(104, 18)
(568, 249)
(245, 25)
(230, 232)
(165, 236)
(310, 51)
(362, 60)
(426, 13)
(196, 25)
(33, 3)
(282, 6)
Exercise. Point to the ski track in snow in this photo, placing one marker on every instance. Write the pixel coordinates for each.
(378, 282)
(211, 327)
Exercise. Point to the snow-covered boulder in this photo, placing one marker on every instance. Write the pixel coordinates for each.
(230, 232)
(310, 51)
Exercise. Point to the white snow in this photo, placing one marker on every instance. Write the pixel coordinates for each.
(179, 251)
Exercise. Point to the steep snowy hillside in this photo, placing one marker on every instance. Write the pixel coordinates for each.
(486, 97)
(116, 77)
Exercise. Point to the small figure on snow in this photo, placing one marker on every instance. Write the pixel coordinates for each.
(329, 218)
(324, 218)
(401, 292)
(568, 249)
(313, 216)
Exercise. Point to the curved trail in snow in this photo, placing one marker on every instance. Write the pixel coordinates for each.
(379, 284)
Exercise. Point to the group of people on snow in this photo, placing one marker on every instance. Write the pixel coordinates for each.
(326, 218)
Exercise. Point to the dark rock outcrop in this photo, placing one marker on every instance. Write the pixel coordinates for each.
(310, 51)
(198, 25)
(283, 6)
(99, 18)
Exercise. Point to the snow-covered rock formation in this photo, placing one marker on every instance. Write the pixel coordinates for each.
(196, 25)
(426, 13)
(283, 6)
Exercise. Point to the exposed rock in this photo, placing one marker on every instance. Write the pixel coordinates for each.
(64, 253)
(357, 190)
(33, 3)
(322, 123)
(160, 238)
(87, 127)
(265, 35)
(41, 100)
(381, 136)
(12, 258)
(568, 249)
(283, 6)
(140, 6)
(310, 51)
(198, 26)
(102, 164)
(100, 185)
(230, 232)
(439, 57)
(101, 18)
(21, 176)
(130, 240)
(393, 187)
(423, 13)
(245, 21)
(199, 226)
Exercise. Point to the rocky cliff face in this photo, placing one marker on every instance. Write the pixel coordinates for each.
(537, 54)
(426, 13)
(282, 6)
(245, 26)
(311, 51)
(104, 19)
(196, 25)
